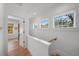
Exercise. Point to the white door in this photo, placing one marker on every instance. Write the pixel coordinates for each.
(21, 40)
(24, 30)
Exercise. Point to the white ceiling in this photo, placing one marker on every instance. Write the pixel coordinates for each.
(28, 9)
(31, 9)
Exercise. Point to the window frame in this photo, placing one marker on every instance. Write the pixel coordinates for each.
(41, 22)
(74, 19)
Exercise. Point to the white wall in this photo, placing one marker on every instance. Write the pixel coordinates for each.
(3, 31)
(68, 38)
(15, 31)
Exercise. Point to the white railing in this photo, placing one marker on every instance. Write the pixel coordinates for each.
(38, 47)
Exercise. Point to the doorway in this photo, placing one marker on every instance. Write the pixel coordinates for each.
(15, 39)
(13, 36)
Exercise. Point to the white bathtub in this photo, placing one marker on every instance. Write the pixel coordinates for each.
(38, 47)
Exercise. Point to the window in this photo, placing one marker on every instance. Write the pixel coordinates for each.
(44, 23)
(10, 28)
(35, 26)
(66, 20)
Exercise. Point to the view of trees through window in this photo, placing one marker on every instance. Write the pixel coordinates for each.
(66, 20)
(44, 23)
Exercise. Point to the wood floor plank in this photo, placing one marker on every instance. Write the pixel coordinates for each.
(15, 50)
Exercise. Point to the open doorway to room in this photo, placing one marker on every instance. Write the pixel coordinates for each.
(16, 37)
(13, 36)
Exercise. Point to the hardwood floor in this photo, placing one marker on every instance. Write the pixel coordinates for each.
(15, 50)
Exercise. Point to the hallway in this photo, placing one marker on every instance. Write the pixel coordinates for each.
(15, 50)
(50, 29)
